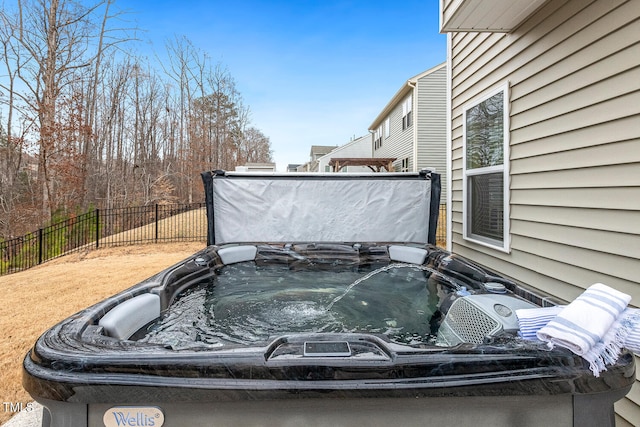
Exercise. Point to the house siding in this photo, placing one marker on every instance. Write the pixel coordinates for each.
(399, 144)
(431, 129)
(574, 79)
(424, 143)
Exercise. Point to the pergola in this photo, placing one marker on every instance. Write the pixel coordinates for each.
(374, 163)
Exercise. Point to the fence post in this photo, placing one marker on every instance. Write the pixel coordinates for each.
(40, 239)
(156, 223)
(97, 228)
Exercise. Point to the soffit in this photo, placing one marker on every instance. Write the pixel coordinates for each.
(485, 15)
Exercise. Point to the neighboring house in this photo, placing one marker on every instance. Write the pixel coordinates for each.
(544, 155)
(358, 148)
(412, 126)
(292, 167)
(257, 167)
(317, 151)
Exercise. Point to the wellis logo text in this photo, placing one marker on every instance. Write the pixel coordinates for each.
(133, 416)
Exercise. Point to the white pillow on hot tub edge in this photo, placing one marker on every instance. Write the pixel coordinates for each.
(130, 315)
(408, 254)
(233, 254)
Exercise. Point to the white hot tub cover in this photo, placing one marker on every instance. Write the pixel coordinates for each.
(311, 207)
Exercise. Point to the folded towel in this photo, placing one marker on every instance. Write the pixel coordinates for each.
(531, 320)
(629, 332)
(589, 326)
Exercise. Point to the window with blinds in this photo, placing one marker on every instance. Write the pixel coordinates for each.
(485, 170)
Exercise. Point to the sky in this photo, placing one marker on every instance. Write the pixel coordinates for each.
(311, 72)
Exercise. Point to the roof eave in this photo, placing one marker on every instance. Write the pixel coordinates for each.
(401, 93)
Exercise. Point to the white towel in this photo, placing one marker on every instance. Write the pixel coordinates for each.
(629, 331)
(589, 326)
(531, 320)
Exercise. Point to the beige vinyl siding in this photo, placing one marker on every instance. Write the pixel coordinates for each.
(573, 139)
(574, 78)
(430, 122)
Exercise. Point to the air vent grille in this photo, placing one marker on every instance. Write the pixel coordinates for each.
(469, 322)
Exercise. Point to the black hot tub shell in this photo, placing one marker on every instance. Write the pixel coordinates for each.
(94, 369)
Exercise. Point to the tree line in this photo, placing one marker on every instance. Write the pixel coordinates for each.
(85, 122)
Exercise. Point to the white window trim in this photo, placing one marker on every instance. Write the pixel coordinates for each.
(407, 108)
(505, 245)
(377, 138)
(404, 164)
(387, 128)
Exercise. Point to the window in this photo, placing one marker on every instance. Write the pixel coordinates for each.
(405, 165)
(485, 171)
(387, 128)
(407, 107)
(377, 138)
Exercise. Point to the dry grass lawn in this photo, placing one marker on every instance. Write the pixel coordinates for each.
(36, 299)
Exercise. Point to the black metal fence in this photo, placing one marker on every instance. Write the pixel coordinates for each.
(119, 227)
(103, 228)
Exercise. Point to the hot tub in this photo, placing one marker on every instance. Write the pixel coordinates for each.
(299, 327)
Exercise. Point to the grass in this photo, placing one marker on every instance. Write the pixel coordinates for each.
(36, 299)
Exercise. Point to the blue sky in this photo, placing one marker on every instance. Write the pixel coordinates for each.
(311, 72)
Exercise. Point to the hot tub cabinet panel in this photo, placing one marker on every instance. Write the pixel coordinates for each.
(324, 319)
(533, 411)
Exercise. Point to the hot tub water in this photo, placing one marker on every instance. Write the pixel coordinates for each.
(245, 304)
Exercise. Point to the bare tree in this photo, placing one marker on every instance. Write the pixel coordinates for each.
(254, 147)
(15, 175)
(90, 142)
(179, 69)
(112, 169)
(82, 124)
(58, 39)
